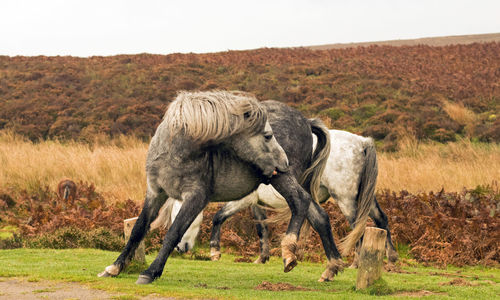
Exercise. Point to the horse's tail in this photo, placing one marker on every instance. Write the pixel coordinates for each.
(313, 173)
(311, 178)
(164, 215)
(365, 198)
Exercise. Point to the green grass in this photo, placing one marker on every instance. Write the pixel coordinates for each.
(7, 232)
(228, 280)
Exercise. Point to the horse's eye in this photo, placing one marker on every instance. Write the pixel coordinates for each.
(268, 137)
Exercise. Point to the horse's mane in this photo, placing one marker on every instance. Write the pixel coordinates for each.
(214, 115)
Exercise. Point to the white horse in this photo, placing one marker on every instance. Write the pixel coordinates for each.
(350, 175)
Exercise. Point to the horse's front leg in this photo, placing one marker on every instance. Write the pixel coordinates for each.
(193, 203)
(298, 200)
(260, 216)
(152, 204)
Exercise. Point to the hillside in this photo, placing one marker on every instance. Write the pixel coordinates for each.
(437, 93)
(431, 41)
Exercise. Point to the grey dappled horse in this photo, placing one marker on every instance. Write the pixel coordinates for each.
(219, 146)
(349, 177)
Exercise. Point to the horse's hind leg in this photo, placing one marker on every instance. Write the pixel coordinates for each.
(152, 205)
(193, 203)
(221, 216)
(381, 221)
(320, 221)
(348, 207)
(260, 216)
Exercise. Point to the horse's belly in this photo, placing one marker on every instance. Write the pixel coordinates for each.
(234, 183)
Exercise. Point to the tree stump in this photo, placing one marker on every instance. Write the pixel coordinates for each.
(140, 252)
(371, 257)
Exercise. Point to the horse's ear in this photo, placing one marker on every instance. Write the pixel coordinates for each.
(246, 115)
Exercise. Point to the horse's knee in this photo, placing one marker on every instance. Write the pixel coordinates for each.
(218, 218)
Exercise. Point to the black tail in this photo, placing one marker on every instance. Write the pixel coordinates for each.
(312, 175)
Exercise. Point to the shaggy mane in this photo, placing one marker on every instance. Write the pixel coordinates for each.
(214, 115)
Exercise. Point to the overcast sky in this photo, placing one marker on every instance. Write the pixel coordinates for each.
(102, 27)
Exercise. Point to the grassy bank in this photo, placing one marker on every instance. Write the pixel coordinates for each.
(116, 167)
(229, 280)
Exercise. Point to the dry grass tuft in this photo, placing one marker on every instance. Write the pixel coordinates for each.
(422, 167)
(116, 167)
(462, 115)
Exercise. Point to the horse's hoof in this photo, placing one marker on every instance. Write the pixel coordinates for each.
(333, 267)
(289, 263)
(215, 257)
(104, 274)
(110, 271)
(392, 256)
(327, 276)
(214, 254)
(261, 260)
(144, 279)
(288, 250)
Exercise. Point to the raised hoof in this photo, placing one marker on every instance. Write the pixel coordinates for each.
(144, 279)
(289, 263)
(261, 260)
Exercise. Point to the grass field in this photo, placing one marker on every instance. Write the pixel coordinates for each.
(225, 279)
(116, 167)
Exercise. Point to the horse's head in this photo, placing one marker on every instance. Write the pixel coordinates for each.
(262, 150)
(233, 119)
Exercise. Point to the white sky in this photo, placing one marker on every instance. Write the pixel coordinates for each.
(102, 27)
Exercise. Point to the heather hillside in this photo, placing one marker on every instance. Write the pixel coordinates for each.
(437, 93)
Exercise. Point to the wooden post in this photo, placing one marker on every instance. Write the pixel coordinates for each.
(140, 253)
(371, 257)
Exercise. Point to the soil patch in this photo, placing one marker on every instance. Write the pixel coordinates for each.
(392, 268)
(421, 293)
(459, 282)
(453, 275)
(22, 289)
(280, 286)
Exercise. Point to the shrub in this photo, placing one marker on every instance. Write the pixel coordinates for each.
(73, 237)
(364, 112)
(332, 113)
